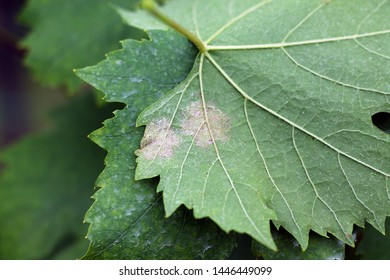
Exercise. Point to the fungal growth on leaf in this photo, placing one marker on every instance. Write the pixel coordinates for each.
(194, 124)
(159, 140)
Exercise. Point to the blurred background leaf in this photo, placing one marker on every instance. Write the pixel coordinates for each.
(69, 34)
(46, 186)
(320, 248)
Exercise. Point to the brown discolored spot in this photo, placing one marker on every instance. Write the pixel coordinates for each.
(159, 140)
(194, 124)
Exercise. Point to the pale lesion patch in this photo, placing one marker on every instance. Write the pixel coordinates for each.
(194, 124)
(159, 140)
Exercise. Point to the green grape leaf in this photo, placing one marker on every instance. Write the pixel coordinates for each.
(46, 185)
(127, 218)
(274, 121)
(68, 34)
(320, 248)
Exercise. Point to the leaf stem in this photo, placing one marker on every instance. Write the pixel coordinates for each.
(151, 7)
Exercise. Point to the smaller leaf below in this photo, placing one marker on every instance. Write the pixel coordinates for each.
(127, 220)
(320, 248)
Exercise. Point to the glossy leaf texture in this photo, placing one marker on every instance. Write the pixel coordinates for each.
(127, 219)
(62, 31)
(274, 121)
(47, 182)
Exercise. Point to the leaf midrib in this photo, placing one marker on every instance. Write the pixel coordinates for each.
(231, 182)
(297, 43)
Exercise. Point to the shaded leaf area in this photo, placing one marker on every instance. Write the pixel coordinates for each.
(76, 249)
(243, 250)
(320, 248)
(275, 120)
(373, 245)
(127, 219)
(68, 34)
(46, 185)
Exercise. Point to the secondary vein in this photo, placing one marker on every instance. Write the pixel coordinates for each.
(237, 18)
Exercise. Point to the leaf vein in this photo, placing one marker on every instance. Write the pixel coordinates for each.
(369, 50)
(258, 231)
(206, 180)
(236, 19)
(123, 233)
(330, 79)
(354, 130)
(309, 15)
(267, 169)
(297, 43)
(313, 185)
(361, 24)
(184, 161)
(181, 92)
(195, 18)
(354, 192)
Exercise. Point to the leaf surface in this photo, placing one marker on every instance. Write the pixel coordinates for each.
(274, 121)
(127, 219)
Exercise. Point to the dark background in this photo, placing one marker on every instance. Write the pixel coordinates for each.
(23, 102)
